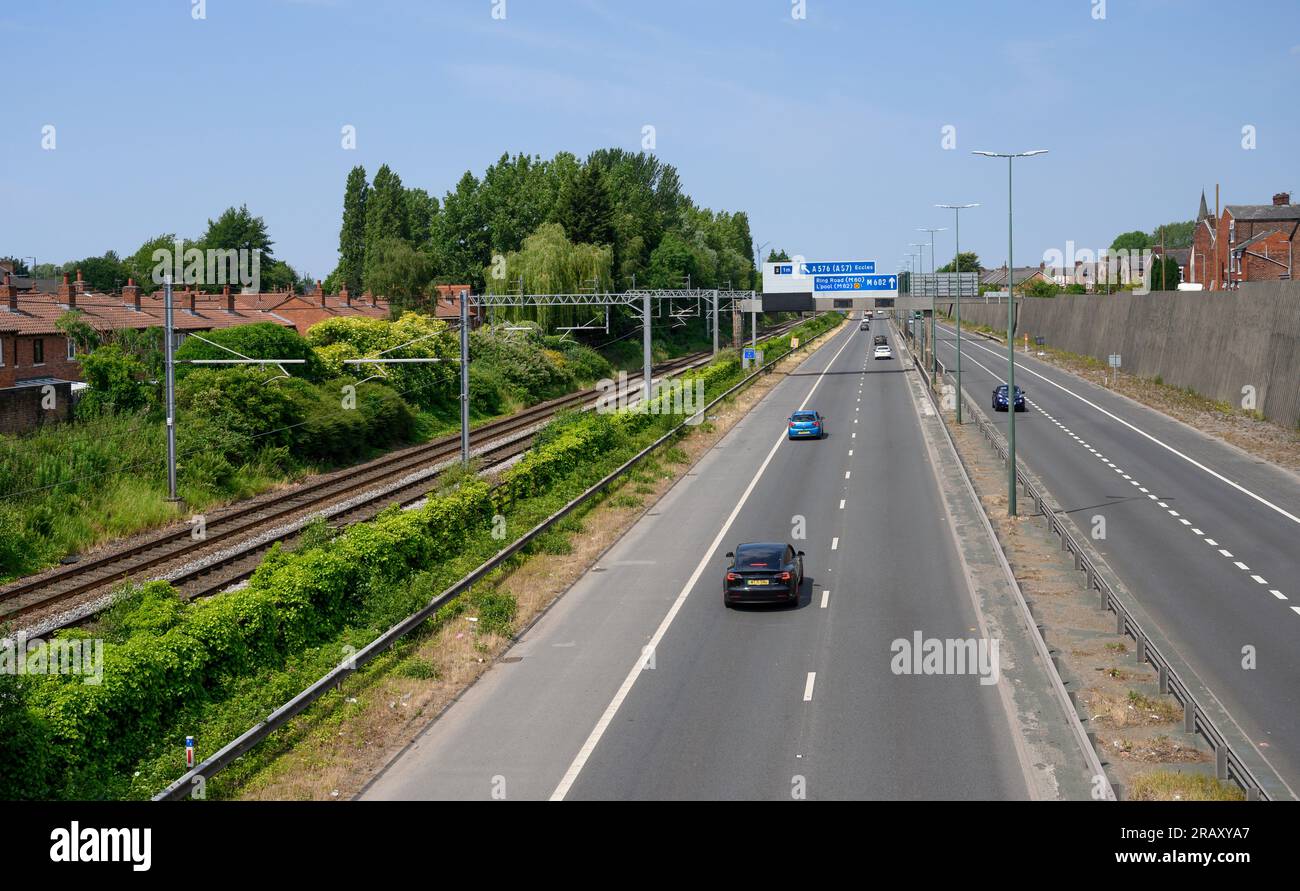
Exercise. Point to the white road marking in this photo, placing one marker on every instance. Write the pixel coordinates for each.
(1260, 579)
(841, 504)
(1225, 553)
(638, 665)
(850, 453)
(808, 686)
(826, 597)
(1296, 610)
(1276, 593)
(1211, 542)
(835, 544)
(1242, 566)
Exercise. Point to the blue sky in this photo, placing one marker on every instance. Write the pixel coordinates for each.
(826, 130)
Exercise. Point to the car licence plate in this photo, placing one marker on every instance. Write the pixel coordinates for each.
(759, 582)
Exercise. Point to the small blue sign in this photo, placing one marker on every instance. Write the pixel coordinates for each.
(750, 353)
(855, 283)
(785, 270)
(851, 267)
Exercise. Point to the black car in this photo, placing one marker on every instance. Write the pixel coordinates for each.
(880, 340)
(1000, 398)
(763, 572)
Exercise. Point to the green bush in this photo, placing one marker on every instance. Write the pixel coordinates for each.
(261, 340)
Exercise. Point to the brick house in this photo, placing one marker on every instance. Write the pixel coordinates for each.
(1246, 243)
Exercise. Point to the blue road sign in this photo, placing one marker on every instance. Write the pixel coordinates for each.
(851, 267)
(750, 353)
(855, 283)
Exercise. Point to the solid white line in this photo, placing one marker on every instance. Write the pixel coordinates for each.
(808, 686)
(580, 760)
(826, 597)
(1240, 488)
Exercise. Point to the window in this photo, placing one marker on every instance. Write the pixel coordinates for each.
(72, 350)
(759, 557)
(38, 351)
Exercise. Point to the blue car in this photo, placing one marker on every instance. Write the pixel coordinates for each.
(1000, 398)
(806, 425)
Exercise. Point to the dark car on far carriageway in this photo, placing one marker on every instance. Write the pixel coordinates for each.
(1000, 398)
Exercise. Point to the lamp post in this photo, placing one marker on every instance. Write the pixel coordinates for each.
(934, 334)
(956, 213)
(920, 267)
(1011, 332)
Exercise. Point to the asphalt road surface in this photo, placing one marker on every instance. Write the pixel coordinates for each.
(1206, 537)
(748, 703)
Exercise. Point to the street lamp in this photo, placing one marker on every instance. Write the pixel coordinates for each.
(919, 330)
(956, 213)
(934, 339)
(1011, 326)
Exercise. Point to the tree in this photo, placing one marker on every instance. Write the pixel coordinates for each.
(1176, 235)
(671, 262)
(386, 218)
(421, 211)
(19, 266)
(550, 263)
(352, 234)
(585, 210)
(1040, 287)
(115, 382)
(396, 270)
(1131, 241)
(774, 256)
(462, 248)
(970, 262)
(73, 324)
(141, 265)
(1165, 274)
(106, 273)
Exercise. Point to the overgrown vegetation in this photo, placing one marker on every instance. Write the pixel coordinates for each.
(210, 668)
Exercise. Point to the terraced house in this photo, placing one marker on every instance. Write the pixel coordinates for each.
(37, 357)
(1245, 243)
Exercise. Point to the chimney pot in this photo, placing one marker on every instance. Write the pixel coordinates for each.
(1281, 199)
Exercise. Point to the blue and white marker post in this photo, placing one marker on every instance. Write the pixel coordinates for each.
(189, 752)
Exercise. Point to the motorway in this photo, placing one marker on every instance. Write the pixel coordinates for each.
(749, 703)
(1205, 536)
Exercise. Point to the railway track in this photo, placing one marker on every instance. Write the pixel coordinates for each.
(234, 539)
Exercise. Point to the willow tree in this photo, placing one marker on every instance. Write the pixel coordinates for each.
(548, 263)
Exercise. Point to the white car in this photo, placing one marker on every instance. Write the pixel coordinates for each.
(884, 352)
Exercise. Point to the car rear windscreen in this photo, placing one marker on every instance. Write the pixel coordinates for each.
(803, 416)
(759, 558)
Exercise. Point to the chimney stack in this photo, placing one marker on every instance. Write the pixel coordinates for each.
(192, 294)
(11, 291)
(132, 293)
(67, 295)
(230, 298)
(1281, 199)
(320, 289)
(346, 295)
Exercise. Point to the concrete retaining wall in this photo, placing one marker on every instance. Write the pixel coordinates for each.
(1215, 342)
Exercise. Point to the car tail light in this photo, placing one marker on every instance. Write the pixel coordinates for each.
(785, 576)
(792, 424)
(731, 576)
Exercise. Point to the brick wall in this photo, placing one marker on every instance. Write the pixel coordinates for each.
(22, 408)
(18, 359)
